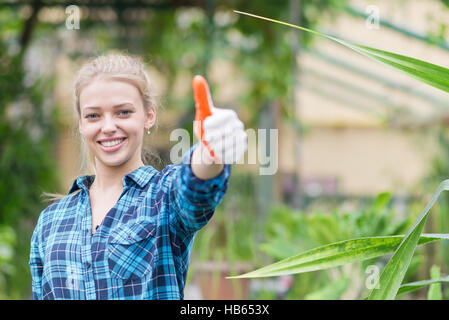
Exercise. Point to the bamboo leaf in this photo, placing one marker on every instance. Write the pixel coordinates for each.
(393, 274)
(432, 74)
(336, 254)
(435, 292)
(412, 286)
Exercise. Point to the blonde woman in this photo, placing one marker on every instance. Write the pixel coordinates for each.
(126, 232)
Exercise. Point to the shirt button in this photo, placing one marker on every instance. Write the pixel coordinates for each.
(88, 265)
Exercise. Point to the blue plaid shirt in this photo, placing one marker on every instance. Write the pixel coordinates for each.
(142, 248)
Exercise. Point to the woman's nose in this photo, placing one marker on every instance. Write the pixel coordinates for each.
(109, 124)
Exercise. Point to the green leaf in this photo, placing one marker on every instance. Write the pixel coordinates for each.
(412, 286)
(393, 274)
(435, 292)
(336, 254)
(426, 72)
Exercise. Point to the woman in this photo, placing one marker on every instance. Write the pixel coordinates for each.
(128, 231)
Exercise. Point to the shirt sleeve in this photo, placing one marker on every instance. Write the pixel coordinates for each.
(36, 265)
(194, 200)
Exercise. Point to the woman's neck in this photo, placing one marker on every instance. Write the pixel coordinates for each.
(109, 178)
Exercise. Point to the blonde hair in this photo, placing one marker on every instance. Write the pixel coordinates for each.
(118, 66)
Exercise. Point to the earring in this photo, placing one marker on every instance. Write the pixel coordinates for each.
(148, 132)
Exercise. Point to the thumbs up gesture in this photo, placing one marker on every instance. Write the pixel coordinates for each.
(220, 131)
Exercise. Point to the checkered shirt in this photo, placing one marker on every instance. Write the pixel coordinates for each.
(142, 248)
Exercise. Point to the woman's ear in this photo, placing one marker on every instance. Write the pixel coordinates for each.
(150, 117)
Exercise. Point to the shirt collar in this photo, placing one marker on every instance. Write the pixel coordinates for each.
(141, 176)
(81, 183)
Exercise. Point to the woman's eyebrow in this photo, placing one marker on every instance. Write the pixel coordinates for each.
(115, 107)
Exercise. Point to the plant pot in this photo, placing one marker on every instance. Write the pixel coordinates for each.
(210, 277)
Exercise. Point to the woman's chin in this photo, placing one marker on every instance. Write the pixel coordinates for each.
(115, 161)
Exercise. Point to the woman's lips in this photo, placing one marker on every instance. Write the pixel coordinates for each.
(113, 148)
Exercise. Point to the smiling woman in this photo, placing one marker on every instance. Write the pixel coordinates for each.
(123, 118)
(113, 134)
(118, 74)
(128, 232)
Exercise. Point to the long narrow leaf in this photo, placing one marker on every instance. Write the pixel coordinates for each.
(435, 291)
(412, 286)
(336, 254)
(432, 74)
(393, 274)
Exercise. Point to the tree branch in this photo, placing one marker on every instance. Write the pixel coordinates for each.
(29, 24)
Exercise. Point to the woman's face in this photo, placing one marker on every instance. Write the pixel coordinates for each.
(113, 121)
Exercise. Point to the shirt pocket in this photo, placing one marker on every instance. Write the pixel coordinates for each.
(131, 250)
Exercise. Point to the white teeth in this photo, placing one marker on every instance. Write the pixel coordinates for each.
(111, 143)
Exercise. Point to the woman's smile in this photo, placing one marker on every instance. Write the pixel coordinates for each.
(112, 145)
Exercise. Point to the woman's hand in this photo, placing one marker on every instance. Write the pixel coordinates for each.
(222, 135)
(225, 135)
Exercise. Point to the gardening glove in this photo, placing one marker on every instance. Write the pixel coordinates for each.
(220, 132)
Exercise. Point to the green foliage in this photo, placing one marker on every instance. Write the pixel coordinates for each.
(394, 272)
(288, 232)
(435, 292)
(232, 231)
(192, 37)
(7, 243)
(426, 72)
(438, 172)
(434, 75)
(27, 166)
(344, 252)
(412, 286)
(336, 254)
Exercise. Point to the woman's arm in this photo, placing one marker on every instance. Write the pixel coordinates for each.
(193, 200)
(206, 169)
(201, 181)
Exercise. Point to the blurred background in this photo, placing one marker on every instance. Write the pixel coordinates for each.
(361, 146)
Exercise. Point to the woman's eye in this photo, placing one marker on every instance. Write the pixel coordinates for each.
(127, 112)
(91, 116)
